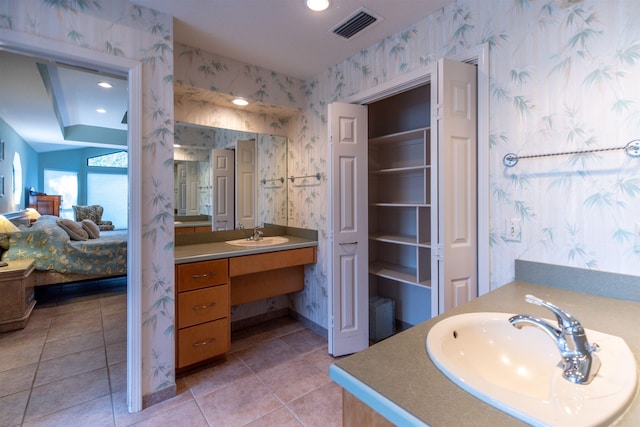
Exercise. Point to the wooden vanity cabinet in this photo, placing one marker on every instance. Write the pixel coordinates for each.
(202, 311)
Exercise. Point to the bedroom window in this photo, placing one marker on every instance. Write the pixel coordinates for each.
(62, 183)
(113, 160)
(114, 196)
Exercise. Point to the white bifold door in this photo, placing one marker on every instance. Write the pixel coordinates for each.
(223, 171)
(348, 230)
(453, 204)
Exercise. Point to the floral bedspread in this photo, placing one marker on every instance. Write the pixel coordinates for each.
(52, 249)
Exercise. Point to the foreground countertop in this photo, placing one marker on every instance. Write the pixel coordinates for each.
(397, 378)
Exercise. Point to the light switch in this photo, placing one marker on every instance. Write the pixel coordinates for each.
(513, 229)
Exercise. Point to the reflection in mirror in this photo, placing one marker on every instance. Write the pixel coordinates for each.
(233, 177)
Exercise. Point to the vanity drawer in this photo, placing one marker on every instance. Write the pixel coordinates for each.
(203, 305)
(202, 274)
(202, 342)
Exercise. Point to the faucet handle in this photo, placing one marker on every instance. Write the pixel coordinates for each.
(565, 319)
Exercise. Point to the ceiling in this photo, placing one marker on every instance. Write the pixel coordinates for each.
(43, 102)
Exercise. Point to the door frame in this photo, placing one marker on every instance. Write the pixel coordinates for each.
(30, 44)
(478, 56)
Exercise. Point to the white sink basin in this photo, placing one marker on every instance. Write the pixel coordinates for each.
(266, 241)
(516, 370)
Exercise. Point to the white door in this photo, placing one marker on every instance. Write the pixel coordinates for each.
(348, 229)
(193, 199)
(222, 167)
(181, 193)
(246, 210)
(456, 118)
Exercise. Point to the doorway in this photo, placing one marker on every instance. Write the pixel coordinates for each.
(36, 46)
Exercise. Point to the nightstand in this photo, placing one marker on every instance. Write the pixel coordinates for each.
(16, 288)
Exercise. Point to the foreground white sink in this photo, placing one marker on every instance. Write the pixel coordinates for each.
(266, 241)
(516, 370)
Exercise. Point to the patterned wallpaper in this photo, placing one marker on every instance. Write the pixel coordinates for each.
(116, 27)
(564, 77)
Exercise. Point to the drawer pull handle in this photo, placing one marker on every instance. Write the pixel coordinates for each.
(200, 344)
(202, 307)
(204, 276)
(348, 243)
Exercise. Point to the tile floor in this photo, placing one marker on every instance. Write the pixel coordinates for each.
(68, 368)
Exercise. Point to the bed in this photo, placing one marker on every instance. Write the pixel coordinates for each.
(61, 259)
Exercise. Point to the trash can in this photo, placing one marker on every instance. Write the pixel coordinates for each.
(382, 323)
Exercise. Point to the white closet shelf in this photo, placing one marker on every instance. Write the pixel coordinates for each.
(399, 137)
(394, 238)
(402, 205)
(401, 170)
(398, 273)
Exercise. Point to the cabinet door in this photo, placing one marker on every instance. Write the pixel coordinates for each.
(457, 189)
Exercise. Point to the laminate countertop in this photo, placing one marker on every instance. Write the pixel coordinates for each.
(397, 378)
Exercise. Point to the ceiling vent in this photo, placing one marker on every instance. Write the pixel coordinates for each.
(360, 20)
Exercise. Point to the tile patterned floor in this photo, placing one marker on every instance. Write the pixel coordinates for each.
(68, 368)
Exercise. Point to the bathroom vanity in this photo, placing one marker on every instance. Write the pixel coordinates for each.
(395, 381)
(212, 276)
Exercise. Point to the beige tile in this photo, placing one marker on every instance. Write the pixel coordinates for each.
(294, 379)
(321, 359)
(68, 392)
(74, 324)
(115, 327)
(215, 376)
(117, 352)
(282, 326)
(20, 354)
(239, 403)
(12, 408)
(248, 337)
(96, 412)
(73, 344)
(322, 407)
(280, 418)
(115, 304)
(118, 377)
(67, 305)
(70, 365)
(267, 355)
(304, 341)
(185, 415)
(17, 379)
(124, 418)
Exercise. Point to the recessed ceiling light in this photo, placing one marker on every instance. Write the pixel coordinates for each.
(105, 85)
(317, 5)
(241, 102)
(101, 110)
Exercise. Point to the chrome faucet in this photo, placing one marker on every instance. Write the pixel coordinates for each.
(579, 363)
(257, 234)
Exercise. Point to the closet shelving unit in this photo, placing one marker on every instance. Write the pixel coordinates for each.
(399, 207)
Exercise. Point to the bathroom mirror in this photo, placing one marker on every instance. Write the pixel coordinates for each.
(236, 178)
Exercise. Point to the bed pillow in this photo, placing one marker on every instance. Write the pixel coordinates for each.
(73, 229)
(91, 228)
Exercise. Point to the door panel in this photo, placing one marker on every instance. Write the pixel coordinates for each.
(348, 245)
(245, 183)
(457, 187)
(223, 172)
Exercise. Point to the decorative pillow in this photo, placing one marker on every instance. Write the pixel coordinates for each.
(92, 212)
(91, 228)
(73, 229)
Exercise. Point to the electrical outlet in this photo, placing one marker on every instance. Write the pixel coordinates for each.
(513, 229)
(636, 243)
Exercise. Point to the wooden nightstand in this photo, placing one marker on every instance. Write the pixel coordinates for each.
(16, 288)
